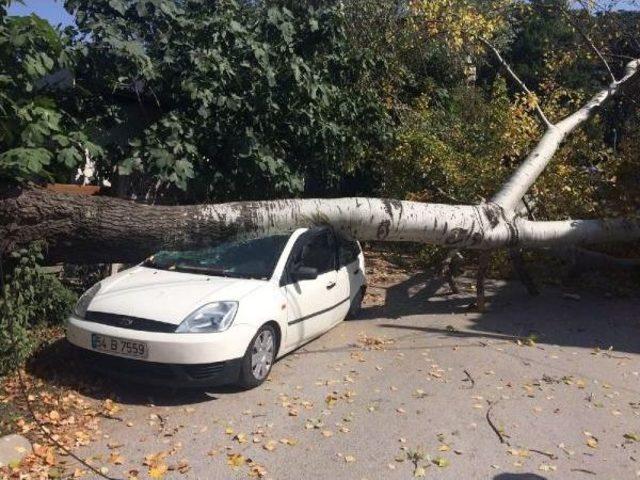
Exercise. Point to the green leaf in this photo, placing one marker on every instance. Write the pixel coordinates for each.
(70, 157)
(120, 7)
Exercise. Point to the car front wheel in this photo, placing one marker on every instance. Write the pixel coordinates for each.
(259, 358)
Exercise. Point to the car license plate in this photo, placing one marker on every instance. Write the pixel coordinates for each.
(120, 346)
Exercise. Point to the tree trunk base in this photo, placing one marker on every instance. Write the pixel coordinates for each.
(449, 270)
(483, 267)
(518, 263)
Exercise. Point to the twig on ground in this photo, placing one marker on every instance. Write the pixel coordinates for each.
(493, 425)
(110, 417)
(583, 470)
(549, 455)
(469, 379)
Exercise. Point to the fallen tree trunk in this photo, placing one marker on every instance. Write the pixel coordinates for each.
(83, 229)
(104, 229)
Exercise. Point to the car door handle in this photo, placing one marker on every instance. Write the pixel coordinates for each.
(356, 271)
(331, 285)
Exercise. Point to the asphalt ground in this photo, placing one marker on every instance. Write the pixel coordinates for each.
(418, 385)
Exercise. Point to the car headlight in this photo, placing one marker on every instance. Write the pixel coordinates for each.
(81, 307)
(213, 317)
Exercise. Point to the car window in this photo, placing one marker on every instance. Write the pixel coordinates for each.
(253, 258)
(319, 253)
(348, 251)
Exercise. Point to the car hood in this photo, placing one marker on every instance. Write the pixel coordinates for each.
(166, 296)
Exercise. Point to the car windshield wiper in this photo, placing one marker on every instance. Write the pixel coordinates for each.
(219, 272)
(157, 266)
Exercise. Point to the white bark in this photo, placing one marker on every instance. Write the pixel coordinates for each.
(577, 232)
(525, 176)
(368, 219)
(482, 227)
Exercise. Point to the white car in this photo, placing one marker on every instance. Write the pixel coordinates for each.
(219, 315)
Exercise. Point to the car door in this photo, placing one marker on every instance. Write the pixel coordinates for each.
(350, 275)
(311, 304)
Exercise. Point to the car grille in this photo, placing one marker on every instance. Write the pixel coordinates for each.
(132, 323)
(131, 367)
(204, 370)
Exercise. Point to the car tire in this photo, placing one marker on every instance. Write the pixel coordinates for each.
(356, 305)
(259, 358)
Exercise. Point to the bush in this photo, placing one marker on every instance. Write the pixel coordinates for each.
(31, 299)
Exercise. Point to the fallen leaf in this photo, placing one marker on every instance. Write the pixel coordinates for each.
(331, 399)
(183, 466)
(257, 471)
(634, 437)
(516, 452)
(158, 471)
(240, 438)
(441, 462)
(235, 460)
(420, 472)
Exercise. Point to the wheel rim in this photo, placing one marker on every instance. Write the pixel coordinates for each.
(262, 353)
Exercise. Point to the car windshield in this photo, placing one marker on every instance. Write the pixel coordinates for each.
(254, 258)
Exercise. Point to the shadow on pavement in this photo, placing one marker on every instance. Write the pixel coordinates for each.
(588, 320)
(411, 296)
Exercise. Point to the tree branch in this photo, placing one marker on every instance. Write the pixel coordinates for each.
(576, 232)
(528, 172)
(516, 78)
(589, 42)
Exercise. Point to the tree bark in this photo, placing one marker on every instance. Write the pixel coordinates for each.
(81, 229)
(103, 229)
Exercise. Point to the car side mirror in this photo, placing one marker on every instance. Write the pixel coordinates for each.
(304, 273)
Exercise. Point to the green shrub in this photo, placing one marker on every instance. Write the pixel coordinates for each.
(31, 299)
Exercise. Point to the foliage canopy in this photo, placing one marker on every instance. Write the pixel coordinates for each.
(180, 101)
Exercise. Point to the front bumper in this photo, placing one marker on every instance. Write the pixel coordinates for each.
(190, 358)
(164, 374)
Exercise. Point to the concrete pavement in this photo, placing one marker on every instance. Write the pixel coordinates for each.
(404, 392)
